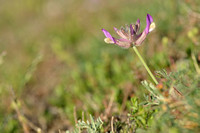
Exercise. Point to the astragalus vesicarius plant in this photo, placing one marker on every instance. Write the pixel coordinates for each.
(130, 36)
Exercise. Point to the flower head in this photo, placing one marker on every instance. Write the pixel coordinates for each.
(129, 35)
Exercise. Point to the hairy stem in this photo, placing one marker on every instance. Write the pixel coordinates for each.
(145, 65)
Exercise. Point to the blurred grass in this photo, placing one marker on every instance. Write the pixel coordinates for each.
(57, 60)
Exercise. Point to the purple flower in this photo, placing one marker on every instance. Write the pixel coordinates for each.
(130, 36)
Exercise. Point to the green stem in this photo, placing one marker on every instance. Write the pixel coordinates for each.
(145, 65)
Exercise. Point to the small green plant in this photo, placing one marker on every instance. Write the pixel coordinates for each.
(140, 115)
(91, 126)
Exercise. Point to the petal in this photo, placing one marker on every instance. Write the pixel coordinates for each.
(108, 40)
(152, 26)
(149, 20)
(138, 21)
(132, 30)
(120, 33)
(137, 26)
(108, 35)
(125, 32)
(124, 40)
(123, 43)
(115, 29)
(140, 38)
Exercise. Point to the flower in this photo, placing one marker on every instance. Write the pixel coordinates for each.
(130, 36)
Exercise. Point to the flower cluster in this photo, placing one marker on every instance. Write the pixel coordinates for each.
(130, 36)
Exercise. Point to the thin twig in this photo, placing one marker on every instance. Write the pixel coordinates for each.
(83, 116)
(112, 129)
(22, 119)
(124, 101)
(75, 116)
(109, 105)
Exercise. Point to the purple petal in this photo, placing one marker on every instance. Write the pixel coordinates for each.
(115, 29)
(108, 35)
(131, 30)
(149, 20)
(137, 26)
(138, 21)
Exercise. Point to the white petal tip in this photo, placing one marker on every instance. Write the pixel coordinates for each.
(152, 27)
(108, 40)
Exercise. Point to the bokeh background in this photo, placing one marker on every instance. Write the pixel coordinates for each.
(53, 58)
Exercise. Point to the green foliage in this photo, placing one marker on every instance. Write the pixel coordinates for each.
(178, 113)
(91, 127)
(141, 115)
(153, 90)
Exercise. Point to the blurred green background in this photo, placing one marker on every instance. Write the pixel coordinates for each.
(53, 55)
